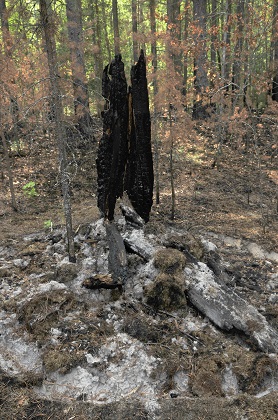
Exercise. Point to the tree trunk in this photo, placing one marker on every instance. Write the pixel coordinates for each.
(214, 24)
(200, 58)
(174, 30)
(9, 169)
(105, 25)
(155, 91)
(134, 30)
(80, 88)
(274, 52)
(97, 53)
(10, 70)
(171, 169)
(47, 23)
(5, 29)
(237, 76)
(116, 27)
(185, 36)
(225, 42)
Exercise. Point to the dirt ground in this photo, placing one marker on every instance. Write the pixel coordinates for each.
(225, 184)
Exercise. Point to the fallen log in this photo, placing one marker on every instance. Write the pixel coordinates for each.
(228, 310)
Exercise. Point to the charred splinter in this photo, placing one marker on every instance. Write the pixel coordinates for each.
(112, 152)
(139, 173)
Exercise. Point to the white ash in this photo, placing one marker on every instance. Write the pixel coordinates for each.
(121, 368)
(17, 357)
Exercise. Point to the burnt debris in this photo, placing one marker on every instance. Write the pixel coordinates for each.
(124, 160)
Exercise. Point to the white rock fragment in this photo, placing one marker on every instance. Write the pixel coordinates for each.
(21, 263)
(258, 252)
(229, 382)
(209, 246)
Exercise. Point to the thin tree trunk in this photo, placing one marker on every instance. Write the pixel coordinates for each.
(224, 45)
(155, 91)
(200, 58)
(274, 52)
(80, 88)
(9, 68)
(134, 30)
(105, 25)
(214, 22)
(47, 23)
(116, 27)
(237, 64)
(185, 35)
(97, 52)
(174, 30)
(9, 169)
(141, 25)
(5, 28)
(173, 194)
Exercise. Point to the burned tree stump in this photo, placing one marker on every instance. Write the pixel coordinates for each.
(125, 157)
(112, 152)
(139, 173)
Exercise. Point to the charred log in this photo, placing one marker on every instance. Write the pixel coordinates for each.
(139, 173)
(112, 152)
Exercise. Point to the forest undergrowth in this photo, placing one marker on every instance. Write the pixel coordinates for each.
(224, 174)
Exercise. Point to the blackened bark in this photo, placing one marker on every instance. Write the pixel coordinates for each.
(112, 153)
(124, 159)
(139, 173)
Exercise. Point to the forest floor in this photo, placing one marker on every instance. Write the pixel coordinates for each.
(226, 190)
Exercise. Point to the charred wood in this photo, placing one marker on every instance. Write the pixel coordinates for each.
(131, 217)
(125, 156)
(101, 281)
(112, 152)
(226, 309)
(117, 259)
(139, 173)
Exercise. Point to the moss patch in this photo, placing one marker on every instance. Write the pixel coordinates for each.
(166, 293)
(169, 261)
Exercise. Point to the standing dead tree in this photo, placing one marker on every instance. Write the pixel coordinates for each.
(112, 152)
(57, 106)
(139, 172)
(124, 160)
